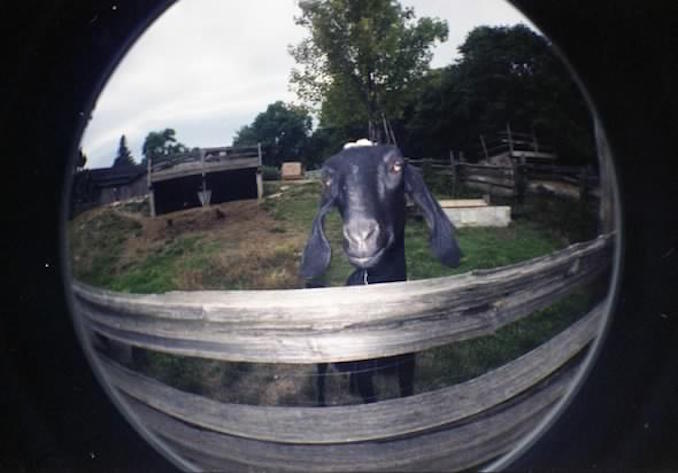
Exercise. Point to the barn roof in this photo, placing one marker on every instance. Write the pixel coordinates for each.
(115, 176)
(206, 160)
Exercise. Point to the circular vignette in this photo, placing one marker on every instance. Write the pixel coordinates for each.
(503, 462)
(606, 162)
(157, 9)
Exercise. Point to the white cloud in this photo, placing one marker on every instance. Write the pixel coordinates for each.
(462, 16)
(208, 67)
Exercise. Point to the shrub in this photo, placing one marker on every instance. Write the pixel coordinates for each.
(270, 173)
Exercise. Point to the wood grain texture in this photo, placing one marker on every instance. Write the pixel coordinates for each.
(456, 447)
(385, 419)
(478, 179)
(191, 168)
(342, 323)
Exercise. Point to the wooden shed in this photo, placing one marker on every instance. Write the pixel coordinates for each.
(101, 186)
(204, 176)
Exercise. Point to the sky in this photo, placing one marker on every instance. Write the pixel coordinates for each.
(207, 67)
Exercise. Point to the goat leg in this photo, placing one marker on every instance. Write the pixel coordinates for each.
(365, 386)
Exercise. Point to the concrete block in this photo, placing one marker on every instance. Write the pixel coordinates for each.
(479, 216)
(292, 170)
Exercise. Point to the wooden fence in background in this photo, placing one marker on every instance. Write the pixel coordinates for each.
(455, 427)
(514, 145)
(511, 180)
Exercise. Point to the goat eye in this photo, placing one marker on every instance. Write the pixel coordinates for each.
(327, 181)
(396, 167)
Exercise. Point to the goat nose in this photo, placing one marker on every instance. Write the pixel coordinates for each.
(361, 232)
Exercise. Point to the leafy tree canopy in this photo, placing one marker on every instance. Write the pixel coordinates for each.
(283, 131)
(161, 145)
(361, 59)
(124, 156)
(505, 75)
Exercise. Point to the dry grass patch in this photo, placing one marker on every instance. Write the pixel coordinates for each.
(234, 245)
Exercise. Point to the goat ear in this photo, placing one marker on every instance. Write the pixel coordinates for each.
(443, 243)
(317, 253)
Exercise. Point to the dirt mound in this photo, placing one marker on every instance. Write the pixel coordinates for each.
(202, 219)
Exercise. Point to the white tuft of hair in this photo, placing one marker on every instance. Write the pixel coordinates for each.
(360, 142)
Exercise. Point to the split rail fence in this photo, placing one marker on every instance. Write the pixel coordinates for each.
(456, 427)
(511, 180)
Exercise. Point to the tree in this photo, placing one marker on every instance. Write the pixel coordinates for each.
(283, 131)
(505, 75)
(124, 156)
(361, 59)
(161, 145)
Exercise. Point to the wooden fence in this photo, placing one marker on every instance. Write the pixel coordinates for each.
(511, 180)
(515, 145)
(455, 427)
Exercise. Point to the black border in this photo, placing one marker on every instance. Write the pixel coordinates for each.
(625, 415)
(57, 55)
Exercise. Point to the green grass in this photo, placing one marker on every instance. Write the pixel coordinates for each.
(296, 204)
(561, 217)
(155, 273)
(188, 373)
(140, 207)
(458, 362)
(482, 247)
(96, 243)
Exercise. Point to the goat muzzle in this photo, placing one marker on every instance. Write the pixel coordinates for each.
(363, 242)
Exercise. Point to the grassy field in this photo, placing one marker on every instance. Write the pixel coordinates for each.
(252, 245)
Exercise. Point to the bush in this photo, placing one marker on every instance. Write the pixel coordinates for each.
(270, 173)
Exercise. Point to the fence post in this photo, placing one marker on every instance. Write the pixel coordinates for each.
(510, 139)
(482, 143)
(260, 183)
(519, 181)
(151, 196)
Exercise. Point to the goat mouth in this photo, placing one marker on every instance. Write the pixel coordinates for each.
(366, 261)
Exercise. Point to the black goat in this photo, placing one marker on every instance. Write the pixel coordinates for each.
(368, 185)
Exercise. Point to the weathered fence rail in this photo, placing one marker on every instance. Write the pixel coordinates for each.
(514, 179)
(455, 427)
(209, 155)
(331, 424)
(452, 448)
(339, 324)
(201, 161)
